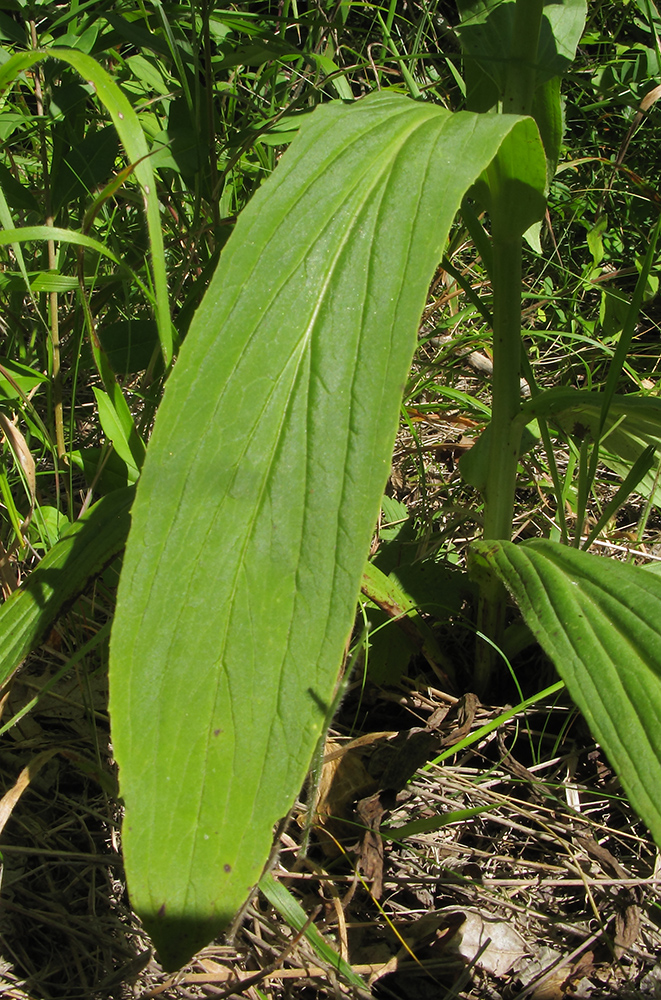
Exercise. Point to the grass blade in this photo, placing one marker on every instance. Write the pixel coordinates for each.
(132, 137)
(61, 576)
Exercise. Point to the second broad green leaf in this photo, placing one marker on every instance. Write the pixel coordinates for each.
(599, 620)
(486, 32)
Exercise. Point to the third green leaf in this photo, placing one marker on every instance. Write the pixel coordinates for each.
(599, 621)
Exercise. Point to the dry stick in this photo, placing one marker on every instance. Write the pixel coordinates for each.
(645, 105)
(304, 972)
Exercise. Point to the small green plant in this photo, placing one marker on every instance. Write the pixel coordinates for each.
(248, 541)
(266, 467)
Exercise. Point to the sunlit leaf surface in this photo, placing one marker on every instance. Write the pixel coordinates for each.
(261, 489)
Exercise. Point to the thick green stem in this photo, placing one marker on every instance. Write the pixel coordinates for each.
(505, 435)
(506, 401)
(505, 440)
(522, 63)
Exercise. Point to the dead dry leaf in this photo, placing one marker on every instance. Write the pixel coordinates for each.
(493, 945)
(370, 812)
(540, 966)
(463, 715)
(343, 779)
(649, 99)
(627, 925)
(10, 798)
(395, 763)
(21, 453)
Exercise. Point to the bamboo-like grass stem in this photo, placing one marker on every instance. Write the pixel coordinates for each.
(56, 374)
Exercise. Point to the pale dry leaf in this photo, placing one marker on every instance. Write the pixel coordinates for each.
(493, 945)
(343, 780)
(535, 965)
(650, 98)
(490, 944)
(547, 967)
(10, 798)
(21, 453)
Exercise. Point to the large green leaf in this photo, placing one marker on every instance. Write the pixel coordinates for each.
(261, 489)
(600, 622)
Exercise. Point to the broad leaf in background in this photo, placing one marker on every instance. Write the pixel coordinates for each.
(249, 539)
(600, 622)
(633, 423)
(392, 648)
(486, 35)
(486, 32)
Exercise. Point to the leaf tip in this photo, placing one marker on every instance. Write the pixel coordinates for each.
(178, 938)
